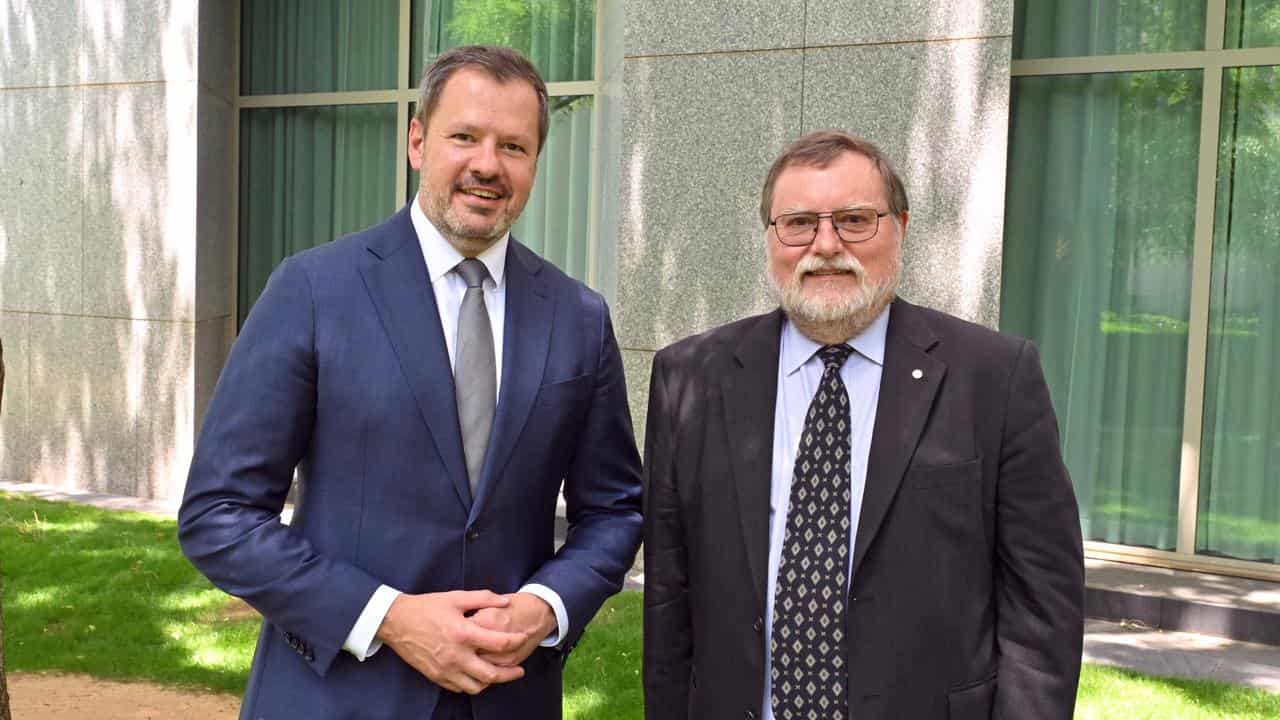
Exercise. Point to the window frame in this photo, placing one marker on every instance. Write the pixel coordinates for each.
(1213, 61)
(405, 94)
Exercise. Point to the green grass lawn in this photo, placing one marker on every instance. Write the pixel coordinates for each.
(109, 594)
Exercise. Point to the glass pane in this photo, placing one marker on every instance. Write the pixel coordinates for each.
(297, 46)
(307, 176)
(554, 222)
(1239, 514)
(557, 35)
(1252, 23)
(1097, 270)
(1076, 28)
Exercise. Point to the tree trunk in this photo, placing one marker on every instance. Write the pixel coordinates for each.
(4, 687)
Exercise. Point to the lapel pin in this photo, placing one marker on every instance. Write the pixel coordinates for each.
(917, 373)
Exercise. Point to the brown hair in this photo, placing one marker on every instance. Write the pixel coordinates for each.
(821, 148)
(500, 63)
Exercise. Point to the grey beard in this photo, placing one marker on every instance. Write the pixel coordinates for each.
(839, 319)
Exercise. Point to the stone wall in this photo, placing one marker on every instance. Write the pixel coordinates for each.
(116, 236)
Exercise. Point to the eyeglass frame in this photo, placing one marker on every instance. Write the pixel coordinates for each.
(773, 222)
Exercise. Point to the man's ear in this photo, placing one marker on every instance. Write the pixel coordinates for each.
(417, 139)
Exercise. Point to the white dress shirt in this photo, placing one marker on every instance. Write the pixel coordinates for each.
(449, 287)
(799, 372)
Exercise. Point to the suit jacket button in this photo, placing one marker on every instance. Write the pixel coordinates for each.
(472, 534)
(758, 625)
(749, 715)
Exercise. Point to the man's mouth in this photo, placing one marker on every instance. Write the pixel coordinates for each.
(482, 193)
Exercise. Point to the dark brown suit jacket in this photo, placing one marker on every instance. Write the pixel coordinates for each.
(967, 592)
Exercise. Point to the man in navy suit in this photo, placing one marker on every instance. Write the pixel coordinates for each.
(434, 383)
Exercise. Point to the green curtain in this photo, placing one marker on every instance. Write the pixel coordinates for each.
(299, 46)
(1097, 256)
(308, 175)
(1239, 512)
(1077, 28)
(1252, 23)
(555, 220)
(557, 35)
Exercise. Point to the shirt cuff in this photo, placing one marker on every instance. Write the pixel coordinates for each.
(361, 641)
(552, 598)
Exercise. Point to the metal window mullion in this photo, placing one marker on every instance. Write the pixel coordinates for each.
(1188, 60)
(354, 97)
(575, 87)
(235, 186)
(1139, 555)
(1198, 325)
(402, 103)
(1215, 26)
(593, 192)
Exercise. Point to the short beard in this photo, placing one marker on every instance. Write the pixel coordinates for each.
(468, 239)
(836, 320)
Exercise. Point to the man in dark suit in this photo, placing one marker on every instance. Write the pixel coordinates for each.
(855, 507)
(433, 382)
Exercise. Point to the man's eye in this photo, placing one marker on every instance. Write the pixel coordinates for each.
(464, 137)
(799, 222)
(852, 220)
(514, 147)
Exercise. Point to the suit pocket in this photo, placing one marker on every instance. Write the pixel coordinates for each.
(933, 476)
(565, 392)
(973, 702)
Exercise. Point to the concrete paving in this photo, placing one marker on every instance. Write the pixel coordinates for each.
(1179, 654)
(1127, 644)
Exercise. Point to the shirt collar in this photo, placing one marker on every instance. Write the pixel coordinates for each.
(797, 349)
(441, 257)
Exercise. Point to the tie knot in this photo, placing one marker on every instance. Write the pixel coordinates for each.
(473, 272)
(833, 356)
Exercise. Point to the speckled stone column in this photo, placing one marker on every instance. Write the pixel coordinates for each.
(116, 237)
(712, 92)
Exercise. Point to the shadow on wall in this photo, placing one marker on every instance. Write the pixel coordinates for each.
(98, 247)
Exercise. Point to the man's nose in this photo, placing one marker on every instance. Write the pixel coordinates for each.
(484, 162)
(826, 241)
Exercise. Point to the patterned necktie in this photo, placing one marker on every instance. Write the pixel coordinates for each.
(807, 642)
(475, 375)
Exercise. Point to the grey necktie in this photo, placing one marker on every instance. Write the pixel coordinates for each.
(475, 378)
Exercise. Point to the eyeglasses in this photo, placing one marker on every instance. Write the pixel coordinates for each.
(852, 226)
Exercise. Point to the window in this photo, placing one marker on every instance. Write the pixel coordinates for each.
(327, 90)
(1142, 243)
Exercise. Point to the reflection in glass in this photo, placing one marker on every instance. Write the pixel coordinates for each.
(1076, 28)
(1239, 513)
(557, 35)
(1097, 270)
(309, 175)
(554, 223)
(298, 46)
(1252, 23)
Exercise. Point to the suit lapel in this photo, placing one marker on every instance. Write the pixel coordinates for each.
(398, 283)
(904, 406)
(750, 394)
(526, 341)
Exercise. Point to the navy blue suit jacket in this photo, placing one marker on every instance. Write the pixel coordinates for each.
(341, 371)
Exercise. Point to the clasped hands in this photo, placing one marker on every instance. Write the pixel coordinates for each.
(465, 641)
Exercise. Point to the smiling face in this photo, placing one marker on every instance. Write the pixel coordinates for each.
(832, 289)
(477, 154)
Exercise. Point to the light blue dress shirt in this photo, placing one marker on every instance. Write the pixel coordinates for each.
(799, 372)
